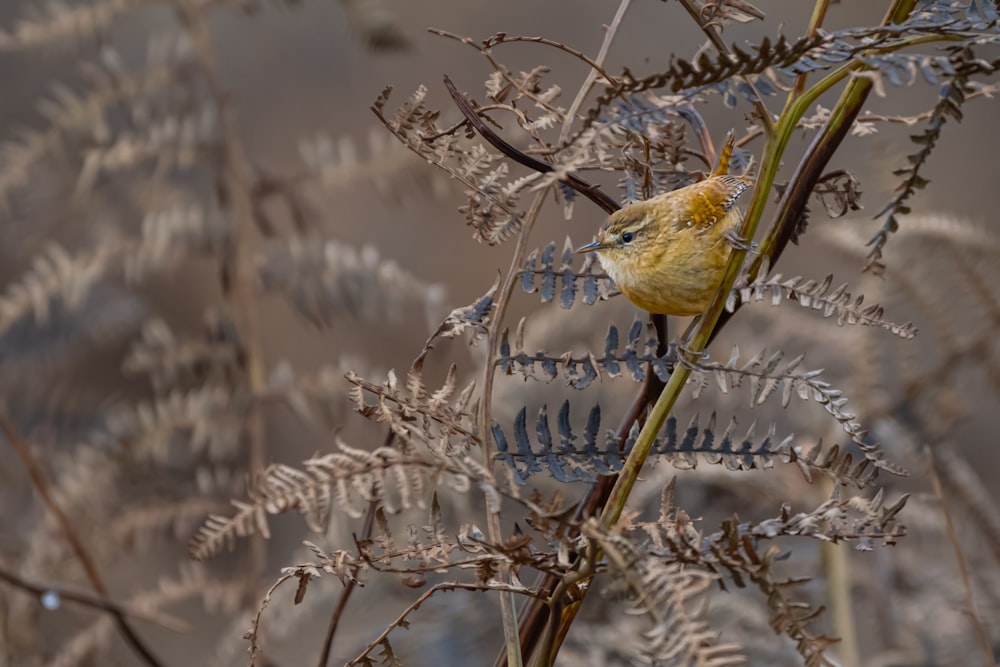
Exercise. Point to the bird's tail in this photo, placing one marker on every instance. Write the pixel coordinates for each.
(722, 168)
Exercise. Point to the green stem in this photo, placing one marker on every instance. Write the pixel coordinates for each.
(700, 337)
(844, 113)
(815, 23)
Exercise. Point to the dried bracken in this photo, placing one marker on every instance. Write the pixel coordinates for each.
(194, 326)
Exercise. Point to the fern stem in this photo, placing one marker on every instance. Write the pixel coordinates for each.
(815, 23)
(238, 186)
(839, 590)
(364, 657)
(345, 595)
(507, 608)
(963, 571)
(588, 83)
(96, 602)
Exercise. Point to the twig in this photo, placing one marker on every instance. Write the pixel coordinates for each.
(66, 527)
(487, 52)
(501, 38)
(447, 586)
(94, 602)
(345, 595)
(597, 67)
(815, 23)
(591, 192)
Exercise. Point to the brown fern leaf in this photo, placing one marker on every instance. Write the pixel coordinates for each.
(325, 279)
(763, 379)
(492, 208)
(817, 296)
(669, 594)
(61, 23)
(347, 480)
(417, 415)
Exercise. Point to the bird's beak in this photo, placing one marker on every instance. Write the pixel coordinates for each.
(591, 247)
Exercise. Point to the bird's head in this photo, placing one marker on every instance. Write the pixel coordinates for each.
(625, 233)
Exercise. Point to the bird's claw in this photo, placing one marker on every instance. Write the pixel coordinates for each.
(738, 241)
(686, 356)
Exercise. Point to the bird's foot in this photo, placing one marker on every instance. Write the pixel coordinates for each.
(738, 241)
(687, 356)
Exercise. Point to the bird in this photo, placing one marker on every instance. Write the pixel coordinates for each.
(667, 254)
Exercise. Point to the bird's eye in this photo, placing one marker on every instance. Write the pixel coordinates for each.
(627, 237)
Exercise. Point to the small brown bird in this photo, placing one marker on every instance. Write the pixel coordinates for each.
(667, 254)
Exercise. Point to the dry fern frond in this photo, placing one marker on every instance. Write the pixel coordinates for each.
(72, 116)
(172, 233)
(328, 279)
(671, 595)
(139, 528)
(474, 318)
(951, 97)
(732, 552)
(741, 560)
(436, 418)
(388, 166)
(492, 210)
(638, 355)
(535, 450)
(182, 139)
(590, 278)
(206, 420)
(59, 22)
(56, 282)
(169, 360)
(764, 380)
(346, 481)
(816, 296)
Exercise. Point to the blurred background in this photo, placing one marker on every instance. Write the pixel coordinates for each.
(300, 78)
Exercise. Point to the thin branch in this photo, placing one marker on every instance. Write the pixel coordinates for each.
(815, 23)
(66, 527)
(471, 113)
(101, 604)
(597, 67)
(345, 595)
(446, 586)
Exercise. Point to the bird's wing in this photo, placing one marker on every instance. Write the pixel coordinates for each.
(709, 201)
